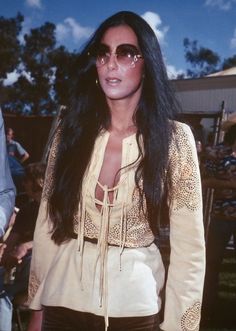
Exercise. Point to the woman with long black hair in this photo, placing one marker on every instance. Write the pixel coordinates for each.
(116, 155)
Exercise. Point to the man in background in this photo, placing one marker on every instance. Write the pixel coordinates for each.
(14, 148)
(17, 155)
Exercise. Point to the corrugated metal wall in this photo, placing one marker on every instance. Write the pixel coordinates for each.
(206, 93)
(207, 100)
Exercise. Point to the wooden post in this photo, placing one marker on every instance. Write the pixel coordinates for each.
(209, 194)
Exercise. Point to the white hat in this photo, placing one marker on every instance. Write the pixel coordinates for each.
(231, 120)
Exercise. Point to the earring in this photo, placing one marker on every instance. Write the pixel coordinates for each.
(96, 81)
(41, 183)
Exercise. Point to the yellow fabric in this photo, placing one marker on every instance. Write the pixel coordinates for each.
(123, 224)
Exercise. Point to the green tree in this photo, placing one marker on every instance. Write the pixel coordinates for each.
(65, 64)
(45, 71)
(39, 44)
(202, 60)
(229, 62)
(10, 49)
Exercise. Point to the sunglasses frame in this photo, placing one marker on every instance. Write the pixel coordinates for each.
(107, 55)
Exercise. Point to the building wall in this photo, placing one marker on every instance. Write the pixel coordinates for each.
(207, 93)
(207, 100)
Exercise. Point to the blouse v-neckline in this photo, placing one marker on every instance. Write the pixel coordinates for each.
(95, 167)
(127, 140)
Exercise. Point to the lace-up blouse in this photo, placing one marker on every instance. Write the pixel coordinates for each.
(114, 269)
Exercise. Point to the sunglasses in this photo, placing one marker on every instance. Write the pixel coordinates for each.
(126, 55)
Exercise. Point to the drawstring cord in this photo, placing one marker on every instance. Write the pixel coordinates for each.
(102, 252)
(103, 249)
(123, 228)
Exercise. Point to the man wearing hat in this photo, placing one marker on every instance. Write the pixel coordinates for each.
(223, 217)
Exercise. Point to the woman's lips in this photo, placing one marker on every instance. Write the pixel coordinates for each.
(113, 80)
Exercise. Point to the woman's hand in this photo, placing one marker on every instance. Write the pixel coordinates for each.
(14, 257)
(21, 250)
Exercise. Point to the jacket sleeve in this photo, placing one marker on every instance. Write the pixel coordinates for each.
(7, 188)
(44, 249)
(185, 278)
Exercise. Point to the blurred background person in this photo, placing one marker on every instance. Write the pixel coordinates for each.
(14, 148)
(16, 256)
(17, 155)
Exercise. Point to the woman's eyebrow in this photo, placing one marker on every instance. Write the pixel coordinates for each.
(103, 45)
(128, 45)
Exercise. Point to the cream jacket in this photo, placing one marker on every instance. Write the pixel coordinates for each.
(123, 224)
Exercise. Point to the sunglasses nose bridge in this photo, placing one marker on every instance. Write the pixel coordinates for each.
(112, 61)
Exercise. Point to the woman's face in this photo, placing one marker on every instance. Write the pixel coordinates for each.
(120, 64)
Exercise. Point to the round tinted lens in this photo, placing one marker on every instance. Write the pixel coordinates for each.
(101, 60)
(125, 54)
(102, 55)
(125, 59)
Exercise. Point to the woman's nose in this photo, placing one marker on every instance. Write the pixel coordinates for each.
(112, 62)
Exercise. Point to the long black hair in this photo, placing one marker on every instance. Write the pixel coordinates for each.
(88, 113)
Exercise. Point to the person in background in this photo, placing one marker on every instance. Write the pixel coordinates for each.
(95, 265)
(14, 148)
(220, 174)
(17, 155)
(16, 256)
(7, 188)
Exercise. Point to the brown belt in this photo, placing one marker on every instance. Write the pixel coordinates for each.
(91, 240)
(95, 241)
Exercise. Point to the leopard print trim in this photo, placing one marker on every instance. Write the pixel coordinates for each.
(191, 318)
(33, 286)
(50, 166)
(185, 179)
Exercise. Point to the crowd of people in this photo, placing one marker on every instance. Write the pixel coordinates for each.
(91, 261)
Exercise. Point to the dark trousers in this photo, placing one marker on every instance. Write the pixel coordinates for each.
(64, 319)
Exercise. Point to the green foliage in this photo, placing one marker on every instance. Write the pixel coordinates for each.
(36, 59)
(65, 64)
(203, 60)
(229, 63)
(10, 29)
(44, 69)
